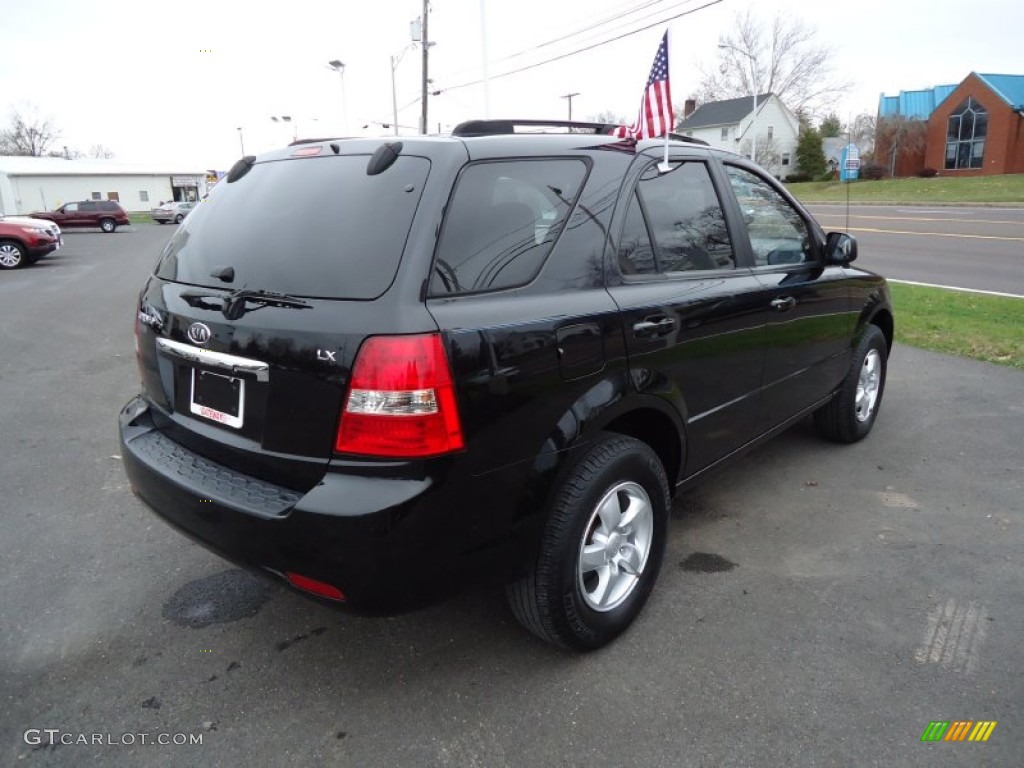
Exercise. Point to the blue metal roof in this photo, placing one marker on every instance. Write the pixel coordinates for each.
(914, 104)
(921, 104)
(1010, 88)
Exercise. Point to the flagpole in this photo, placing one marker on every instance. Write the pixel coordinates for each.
(664, 165)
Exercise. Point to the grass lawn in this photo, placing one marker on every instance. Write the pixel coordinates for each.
(140, 217)
(968, 324)
(940, 189)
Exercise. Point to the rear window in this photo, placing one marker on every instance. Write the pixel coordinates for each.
(503, 220)
(313, 227)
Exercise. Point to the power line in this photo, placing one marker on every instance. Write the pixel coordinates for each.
(585, 48)
(595, 25)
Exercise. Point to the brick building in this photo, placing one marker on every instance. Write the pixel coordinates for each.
(973, 128)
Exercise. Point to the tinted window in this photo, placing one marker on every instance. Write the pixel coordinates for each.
(85, 207)
(316, 227)
(503, 219)
(778, 234)
(109, 206)
(675, 224)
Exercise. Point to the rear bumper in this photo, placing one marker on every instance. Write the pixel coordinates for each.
(389, 544)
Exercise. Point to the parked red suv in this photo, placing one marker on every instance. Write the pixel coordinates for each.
(108, 215)
(24, 241)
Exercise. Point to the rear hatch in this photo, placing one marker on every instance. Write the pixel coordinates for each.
(250, 325)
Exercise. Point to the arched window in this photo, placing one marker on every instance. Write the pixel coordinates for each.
(965, 136)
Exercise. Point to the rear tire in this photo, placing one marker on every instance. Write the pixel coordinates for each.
(108, 225)
(849, 416)
(601, 549)
(12, 255)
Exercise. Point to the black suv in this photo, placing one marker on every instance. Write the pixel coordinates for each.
(384, 370)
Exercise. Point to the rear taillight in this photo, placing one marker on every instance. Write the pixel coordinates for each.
(401, 401)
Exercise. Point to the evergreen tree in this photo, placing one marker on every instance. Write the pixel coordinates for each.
(810, 153)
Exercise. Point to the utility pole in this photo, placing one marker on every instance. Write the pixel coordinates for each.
(569, 97)
(425, 43)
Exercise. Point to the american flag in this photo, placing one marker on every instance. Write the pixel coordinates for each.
(655, 118)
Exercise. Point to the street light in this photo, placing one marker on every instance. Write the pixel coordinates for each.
(394, 96)
(241, 141)
(287, 119)
(753, 86)
(339, 67)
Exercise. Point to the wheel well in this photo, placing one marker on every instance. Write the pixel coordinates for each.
(884, 321)
(658, 431)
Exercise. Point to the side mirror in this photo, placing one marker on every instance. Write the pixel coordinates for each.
(840, 248)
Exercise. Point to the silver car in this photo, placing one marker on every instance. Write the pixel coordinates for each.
(172, 211)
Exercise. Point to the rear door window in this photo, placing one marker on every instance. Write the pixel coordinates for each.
(502, 222)
(312, 227)
(675, 223)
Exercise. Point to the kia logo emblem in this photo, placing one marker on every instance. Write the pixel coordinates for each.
(198, 333)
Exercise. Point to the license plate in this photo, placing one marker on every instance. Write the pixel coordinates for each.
(218, 398)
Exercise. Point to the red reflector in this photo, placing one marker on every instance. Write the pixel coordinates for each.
(315, 587)
(307, 151)
(401, 400)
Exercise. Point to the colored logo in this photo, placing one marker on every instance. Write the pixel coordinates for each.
(958, 730)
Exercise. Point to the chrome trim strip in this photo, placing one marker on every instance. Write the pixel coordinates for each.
(217, 359)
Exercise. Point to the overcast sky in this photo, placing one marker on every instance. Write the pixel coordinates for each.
(173, 81)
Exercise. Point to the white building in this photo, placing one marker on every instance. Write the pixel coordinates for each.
(30, 184)
(730, 125)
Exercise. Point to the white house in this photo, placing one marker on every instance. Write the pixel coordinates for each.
(43, 183)
(731, 124)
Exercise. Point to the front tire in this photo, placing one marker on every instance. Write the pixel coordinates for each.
(12, 255)
(849, 416)
(178, 219)
(108, 225)
(601, 550)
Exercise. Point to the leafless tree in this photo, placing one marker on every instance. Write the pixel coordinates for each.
(101, 152)
(897, 135)
(609, 118)
(787, 59)
(862, 132)
(768, 155)
(28, 134)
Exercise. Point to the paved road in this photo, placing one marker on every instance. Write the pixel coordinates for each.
(819, 604)
(980, 248)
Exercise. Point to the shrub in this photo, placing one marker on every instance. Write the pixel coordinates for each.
(798, 177)
(871, 171)
(927, 173)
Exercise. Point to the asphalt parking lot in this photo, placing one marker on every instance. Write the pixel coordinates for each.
(819, 604)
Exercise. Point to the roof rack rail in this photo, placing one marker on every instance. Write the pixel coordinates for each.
(504, 127)
(499, 127)
(296, 142)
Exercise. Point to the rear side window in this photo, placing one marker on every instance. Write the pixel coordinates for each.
(89, 207)
(502, 221)
(675, 223)
(314, 227)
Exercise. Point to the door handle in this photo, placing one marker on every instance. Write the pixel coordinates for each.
(783, 303)
(658, 326)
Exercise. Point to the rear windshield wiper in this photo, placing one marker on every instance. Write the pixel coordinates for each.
(236, 301)
(234, 304)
